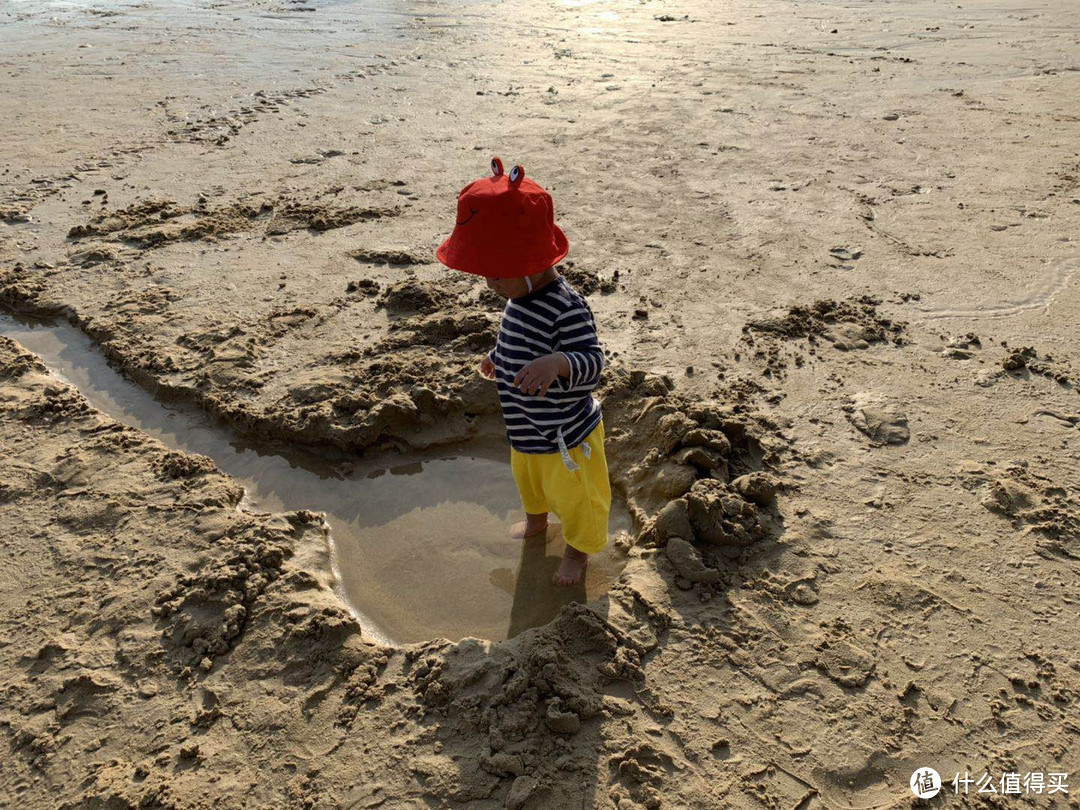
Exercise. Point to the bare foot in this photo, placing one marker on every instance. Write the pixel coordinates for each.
(533, 524)
(572, 567)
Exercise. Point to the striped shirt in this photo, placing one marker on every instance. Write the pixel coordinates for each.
(555, 318)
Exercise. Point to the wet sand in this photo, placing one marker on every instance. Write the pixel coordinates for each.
(832, 254)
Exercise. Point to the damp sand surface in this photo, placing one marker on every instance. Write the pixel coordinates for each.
(421, 543)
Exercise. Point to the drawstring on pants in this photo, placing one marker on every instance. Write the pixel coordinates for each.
(571, 465)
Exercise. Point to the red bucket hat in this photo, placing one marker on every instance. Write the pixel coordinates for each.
(505, 227)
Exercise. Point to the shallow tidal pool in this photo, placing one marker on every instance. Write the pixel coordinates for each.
(420, 542)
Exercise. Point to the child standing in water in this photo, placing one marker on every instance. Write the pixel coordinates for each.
(545, 364)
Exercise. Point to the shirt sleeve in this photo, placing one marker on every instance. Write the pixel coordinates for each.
(576, 340)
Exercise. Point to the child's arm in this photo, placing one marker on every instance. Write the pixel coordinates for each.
(578, 357)
(578, 343)
(537, 376)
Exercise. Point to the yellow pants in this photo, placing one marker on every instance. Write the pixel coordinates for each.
(580, 498)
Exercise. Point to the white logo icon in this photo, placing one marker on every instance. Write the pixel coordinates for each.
(925, 783)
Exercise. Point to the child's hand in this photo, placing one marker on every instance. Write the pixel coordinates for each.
(536, 377)
(487, 368)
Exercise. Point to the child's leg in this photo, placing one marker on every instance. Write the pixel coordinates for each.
(571, 567)
(532, 498)
(533, 524)
(582, 500)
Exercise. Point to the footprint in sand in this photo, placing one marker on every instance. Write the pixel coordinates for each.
(842, 255)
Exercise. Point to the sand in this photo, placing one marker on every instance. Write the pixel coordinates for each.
(831, 252)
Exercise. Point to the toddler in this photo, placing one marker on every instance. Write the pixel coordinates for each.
(545, 364)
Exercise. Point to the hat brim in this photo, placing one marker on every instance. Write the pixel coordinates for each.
(508, 266)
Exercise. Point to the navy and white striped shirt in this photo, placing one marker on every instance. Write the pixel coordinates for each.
(553, 319)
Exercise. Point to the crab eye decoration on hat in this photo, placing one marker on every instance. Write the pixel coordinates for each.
(505, 227)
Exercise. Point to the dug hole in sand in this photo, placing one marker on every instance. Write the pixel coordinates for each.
(419, 543)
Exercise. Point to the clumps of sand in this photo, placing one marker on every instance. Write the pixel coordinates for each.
(19, 285)
(1035, 503)
(93, 255)
(395, 391)
(586, 282)
(1026, 357)
(14, 362)
(204, 613)
(818, 320)
(1017, 363)
(414, 399)
(847, 325)
(961, 347)
(154, 222)
(411, 296)
(14, 214)
(491, 300)
(184, 465)
(692, 474)
(711, 511)
(474, 332)
(665, 444)
(316, 216)
(389, 256)
(363, 286)
(527, 701)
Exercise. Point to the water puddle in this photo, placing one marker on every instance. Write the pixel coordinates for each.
(420, 542)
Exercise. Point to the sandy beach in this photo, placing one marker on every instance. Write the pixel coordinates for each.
(253, 493)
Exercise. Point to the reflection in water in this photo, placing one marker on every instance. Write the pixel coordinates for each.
(421, 543)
